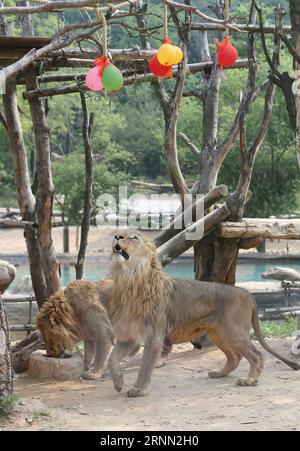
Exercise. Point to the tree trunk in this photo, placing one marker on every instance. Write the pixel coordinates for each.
(6, 371)
(26, 199)
(45, 188)
(88, 192)
(295, 21)
(3, 22)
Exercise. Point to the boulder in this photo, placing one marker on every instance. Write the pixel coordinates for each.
(43, 367)
(7, 275)
(282, 274)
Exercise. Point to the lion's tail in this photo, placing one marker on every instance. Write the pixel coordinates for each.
(262, 341)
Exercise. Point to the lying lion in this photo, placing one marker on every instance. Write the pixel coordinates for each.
(79, 312)
(147, 304)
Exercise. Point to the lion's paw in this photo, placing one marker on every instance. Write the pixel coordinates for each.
(135, 392)
(246, 383)
(91, 375)
(160, 364)
(118, 383)
(215, 374)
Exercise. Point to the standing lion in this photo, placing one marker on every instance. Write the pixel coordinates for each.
(79, 312)
(146, 305)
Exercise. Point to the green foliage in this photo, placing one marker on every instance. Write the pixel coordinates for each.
(278, 329)
(69, 182)
(129, 127)
(7, 404)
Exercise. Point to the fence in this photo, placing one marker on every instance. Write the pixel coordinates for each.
(14, 298)
(285, 304)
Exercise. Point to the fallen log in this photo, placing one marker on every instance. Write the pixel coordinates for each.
(166, 188)
(181, 242)
(22, 351)
(217, 194)
(266, 228)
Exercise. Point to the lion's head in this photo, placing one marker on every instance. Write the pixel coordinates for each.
(58, 326)
(133, 254)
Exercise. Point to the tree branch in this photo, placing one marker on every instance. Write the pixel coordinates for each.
(189, 143)
(194, 10)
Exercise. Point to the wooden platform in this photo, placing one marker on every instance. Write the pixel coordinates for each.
(14, 48)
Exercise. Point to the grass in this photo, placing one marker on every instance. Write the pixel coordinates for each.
(278, 329)
(79, 347)
(6, 405)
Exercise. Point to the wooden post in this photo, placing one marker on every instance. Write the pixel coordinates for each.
(295, 21)
(6, 371)
(66, 239)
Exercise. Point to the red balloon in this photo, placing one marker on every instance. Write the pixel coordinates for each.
(227, 53)
(158, 69)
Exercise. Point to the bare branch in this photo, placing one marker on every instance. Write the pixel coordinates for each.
(290, 47)
(263, 41)
(194, 10)
(55, 6)
(189, 143)
(250, 28)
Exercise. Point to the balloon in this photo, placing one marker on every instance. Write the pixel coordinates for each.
(227, 53)
(102, 62)
(169, 54)
(93, 79)
(112, 78)
(158, 69)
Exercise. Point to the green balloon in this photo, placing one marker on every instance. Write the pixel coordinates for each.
(112, 78)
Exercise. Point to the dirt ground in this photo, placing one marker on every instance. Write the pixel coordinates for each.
(182, 398)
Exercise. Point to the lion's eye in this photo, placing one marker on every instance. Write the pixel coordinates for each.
(134, 237)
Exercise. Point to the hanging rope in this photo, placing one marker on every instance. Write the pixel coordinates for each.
(102, 19)
(227, 16)
(165, 20)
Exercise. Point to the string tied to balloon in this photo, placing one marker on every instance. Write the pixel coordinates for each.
(168, 54)
(105, 74)
(227, 54)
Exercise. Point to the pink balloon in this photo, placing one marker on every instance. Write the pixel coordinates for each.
(93, 79)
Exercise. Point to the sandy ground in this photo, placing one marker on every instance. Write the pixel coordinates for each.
(12, 243)
(182, 398)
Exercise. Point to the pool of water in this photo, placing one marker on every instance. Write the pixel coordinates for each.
(247, 271)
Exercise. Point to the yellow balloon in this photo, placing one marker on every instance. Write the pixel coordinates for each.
(169, 55)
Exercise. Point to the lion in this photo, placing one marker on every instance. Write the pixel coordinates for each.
(76, 313)
(147, 305)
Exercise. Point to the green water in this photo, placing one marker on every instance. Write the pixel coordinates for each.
(247, 271)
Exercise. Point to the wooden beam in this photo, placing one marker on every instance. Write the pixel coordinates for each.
(136, 79)
(271, 229)
(54, 6)
(181, 242)
(217, 194)
(166, 188)
(268, 29)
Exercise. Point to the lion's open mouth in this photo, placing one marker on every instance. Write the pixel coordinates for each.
(119, 251)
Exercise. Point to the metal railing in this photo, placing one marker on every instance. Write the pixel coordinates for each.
(13, 298)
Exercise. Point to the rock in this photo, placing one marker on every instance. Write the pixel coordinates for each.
(282, 274)
(24, 286)
(7, 275)
(43, 367)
